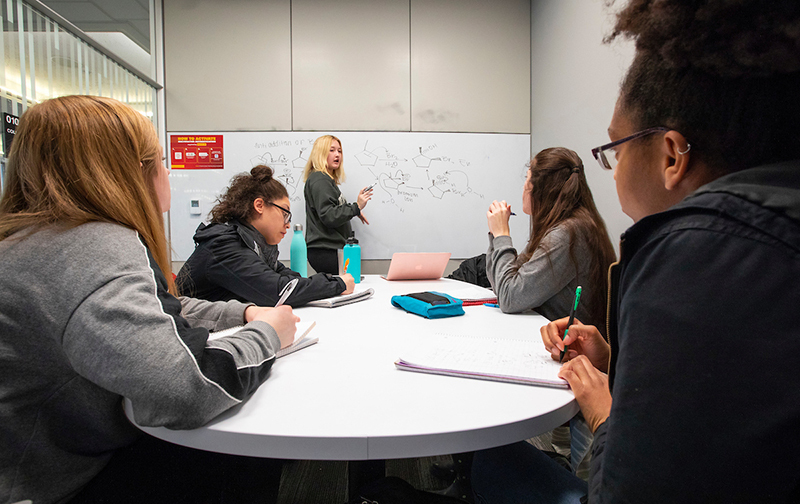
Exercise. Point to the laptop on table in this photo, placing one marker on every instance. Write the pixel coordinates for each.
(417, 265)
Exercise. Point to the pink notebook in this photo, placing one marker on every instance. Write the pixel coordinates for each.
(417, 265)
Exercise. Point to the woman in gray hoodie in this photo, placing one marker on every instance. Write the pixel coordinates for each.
(89, 317)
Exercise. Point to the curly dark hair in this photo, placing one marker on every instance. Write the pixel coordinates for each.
(724, 73)
(245, 188)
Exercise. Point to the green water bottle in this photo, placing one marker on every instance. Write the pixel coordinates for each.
(298, 255)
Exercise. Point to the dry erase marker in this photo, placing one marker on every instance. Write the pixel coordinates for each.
(286, 291)
(491, 305)
(571, 320)
(369, 187)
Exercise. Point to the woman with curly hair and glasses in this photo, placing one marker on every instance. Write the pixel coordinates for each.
(699, 403)
(236, 255)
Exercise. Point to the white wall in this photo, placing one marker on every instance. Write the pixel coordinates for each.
(574, 84)
(470, 65)
(228, 65)
(353, 65)
(350, 65)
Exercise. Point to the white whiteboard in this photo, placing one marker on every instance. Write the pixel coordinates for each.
(432, 192)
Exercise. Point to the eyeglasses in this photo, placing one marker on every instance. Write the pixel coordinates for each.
(599, 153)
(287, 215)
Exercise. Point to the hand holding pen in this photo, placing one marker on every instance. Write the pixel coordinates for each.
(580, 340)
(571, 320)
(497, 218)
(364, 195)
(287, 290)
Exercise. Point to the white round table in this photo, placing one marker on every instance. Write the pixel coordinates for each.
(343, 398)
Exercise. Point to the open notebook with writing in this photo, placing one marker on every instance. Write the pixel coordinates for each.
(301, 339)
(484, 358)
(333, 302)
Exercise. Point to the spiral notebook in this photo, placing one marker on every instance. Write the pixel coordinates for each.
(301, 339)
(341, 300)
(484, 358)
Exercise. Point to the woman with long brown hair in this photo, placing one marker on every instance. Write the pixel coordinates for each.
(89, 318)
(568, 247)
(568, 244)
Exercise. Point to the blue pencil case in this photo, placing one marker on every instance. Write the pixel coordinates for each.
(429, 304)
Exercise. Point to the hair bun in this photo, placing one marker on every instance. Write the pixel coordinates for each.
(261, 173)
(727, 38)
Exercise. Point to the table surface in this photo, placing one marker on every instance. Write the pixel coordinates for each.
(343, 398)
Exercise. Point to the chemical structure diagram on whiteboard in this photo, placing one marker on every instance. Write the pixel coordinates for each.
(399, 181)
(288, 171)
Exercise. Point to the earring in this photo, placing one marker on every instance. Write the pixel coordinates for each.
(688, 148)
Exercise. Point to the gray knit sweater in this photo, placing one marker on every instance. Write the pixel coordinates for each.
(546, 283)
(85, 320)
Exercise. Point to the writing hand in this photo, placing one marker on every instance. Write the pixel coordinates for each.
(590, 387)
(582, 340)
(497, 218)
(282, 319)
(349, 283)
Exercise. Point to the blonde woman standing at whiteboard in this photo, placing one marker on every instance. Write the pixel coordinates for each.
(328, 213)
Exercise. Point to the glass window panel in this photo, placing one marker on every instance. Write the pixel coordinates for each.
(43, 60)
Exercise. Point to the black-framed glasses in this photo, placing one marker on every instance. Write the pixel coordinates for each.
(287, 215)
(599, 153)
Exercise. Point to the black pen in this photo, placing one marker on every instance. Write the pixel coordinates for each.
(571, 320)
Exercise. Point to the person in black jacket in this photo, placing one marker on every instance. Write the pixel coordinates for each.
(701, 402)
(236, 255)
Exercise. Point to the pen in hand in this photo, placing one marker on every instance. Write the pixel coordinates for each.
(287, 290)
(569, 323)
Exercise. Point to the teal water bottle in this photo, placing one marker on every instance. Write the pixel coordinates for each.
(299, 255)
(351, 257)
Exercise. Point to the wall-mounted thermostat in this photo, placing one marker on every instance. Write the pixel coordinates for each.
(194, 207)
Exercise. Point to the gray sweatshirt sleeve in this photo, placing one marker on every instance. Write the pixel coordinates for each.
(546, 273)
(213, 315)
(128, 337)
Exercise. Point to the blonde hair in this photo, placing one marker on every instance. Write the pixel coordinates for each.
(79, 159)
(318, 159)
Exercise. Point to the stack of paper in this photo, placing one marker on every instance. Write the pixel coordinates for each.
(485, 358)
(472, 294)
(333, 302)
(300, 337)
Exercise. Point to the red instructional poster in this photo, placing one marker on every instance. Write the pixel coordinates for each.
(196, 152)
